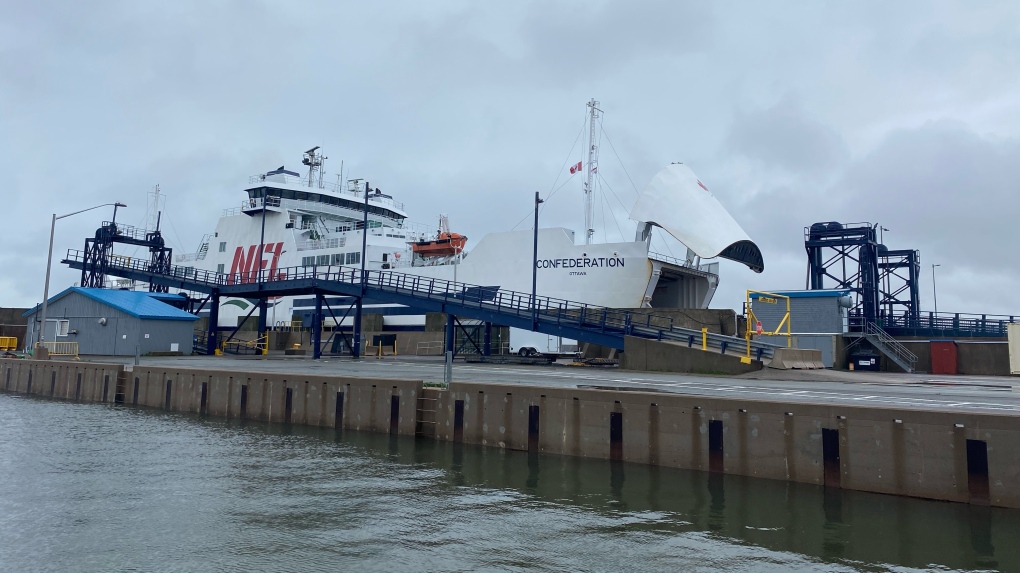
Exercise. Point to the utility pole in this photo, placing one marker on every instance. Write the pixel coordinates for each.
(534, 268)
(356, 350)
(41, 335)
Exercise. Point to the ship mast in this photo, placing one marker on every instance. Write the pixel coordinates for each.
(314, 162)
(158, 202)
(592, 169)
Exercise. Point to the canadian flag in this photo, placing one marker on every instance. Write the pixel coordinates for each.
(575, 168)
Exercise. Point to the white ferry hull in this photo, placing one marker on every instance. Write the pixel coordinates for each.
(301, 226)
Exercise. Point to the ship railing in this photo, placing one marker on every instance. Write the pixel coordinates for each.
(314, 245)
(255, 203)
(337, 210)
(296, 180)
(338, 188)
(491, 298)
(705, 268)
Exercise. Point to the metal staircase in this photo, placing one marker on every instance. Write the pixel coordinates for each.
(890, 347)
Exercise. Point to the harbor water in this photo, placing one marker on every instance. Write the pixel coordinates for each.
(88, 487)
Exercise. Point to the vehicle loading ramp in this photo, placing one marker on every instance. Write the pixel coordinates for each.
(556, 317)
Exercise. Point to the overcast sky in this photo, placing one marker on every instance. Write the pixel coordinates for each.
(905, 114)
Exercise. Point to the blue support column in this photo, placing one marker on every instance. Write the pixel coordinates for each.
(214, 319)
(356, 346)
(449, 334)
(317, 328)
(487, 340)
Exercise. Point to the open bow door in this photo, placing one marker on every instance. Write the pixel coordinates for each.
(677, 201)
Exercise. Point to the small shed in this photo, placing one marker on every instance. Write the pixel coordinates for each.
(108, 322)
(818, 319)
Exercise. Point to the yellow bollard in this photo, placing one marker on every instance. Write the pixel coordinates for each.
(394, 347)
(380, 352)
(704, 339)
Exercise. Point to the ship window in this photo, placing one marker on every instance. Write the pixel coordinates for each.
(219, 268)
(353, 258)
(308, 261)
(223, 246)
(322, 260)
(384, 257)
(338, 258)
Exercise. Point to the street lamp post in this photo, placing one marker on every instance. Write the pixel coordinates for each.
(934, 291)
(49, 263)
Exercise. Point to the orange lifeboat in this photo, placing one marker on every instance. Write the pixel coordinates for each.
(445, 244)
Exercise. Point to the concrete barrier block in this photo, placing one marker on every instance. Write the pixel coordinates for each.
(797, 358)
(656, 356)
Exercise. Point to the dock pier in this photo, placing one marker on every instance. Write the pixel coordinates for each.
(967, 456)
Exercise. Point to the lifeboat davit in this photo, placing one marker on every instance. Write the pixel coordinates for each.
(444, 245)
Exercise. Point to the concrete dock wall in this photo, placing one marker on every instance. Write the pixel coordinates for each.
(88, 382)
(905, 452)
(964, 457)
(365, 403)
(974, 357)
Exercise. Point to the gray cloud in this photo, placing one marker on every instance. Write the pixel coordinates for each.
(940, 188)
(899, 113)
(783, 136)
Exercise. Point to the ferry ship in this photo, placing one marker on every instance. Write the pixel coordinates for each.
(291, 219)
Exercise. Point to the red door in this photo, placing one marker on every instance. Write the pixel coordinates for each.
(943, 357)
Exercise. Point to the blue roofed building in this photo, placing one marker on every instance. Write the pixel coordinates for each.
(107, 322)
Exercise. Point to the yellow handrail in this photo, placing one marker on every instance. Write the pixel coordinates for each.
(752, 321)
(261, 344)
(62, 348)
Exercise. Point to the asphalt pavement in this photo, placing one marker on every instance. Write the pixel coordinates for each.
(1000, 395)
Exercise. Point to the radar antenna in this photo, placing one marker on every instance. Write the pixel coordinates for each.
(314, 161)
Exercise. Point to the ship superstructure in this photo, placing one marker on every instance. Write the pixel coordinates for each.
(289, 219)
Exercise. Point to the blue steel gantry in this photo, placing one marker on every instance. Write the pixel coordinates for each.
(491, 305)
(883, 283)
(98, 253)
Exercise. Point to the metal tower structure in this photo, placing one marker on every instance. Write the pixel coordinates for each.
(99, 252)
(883, 283)
(899, 291)
(592, 169)
(848, 256)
